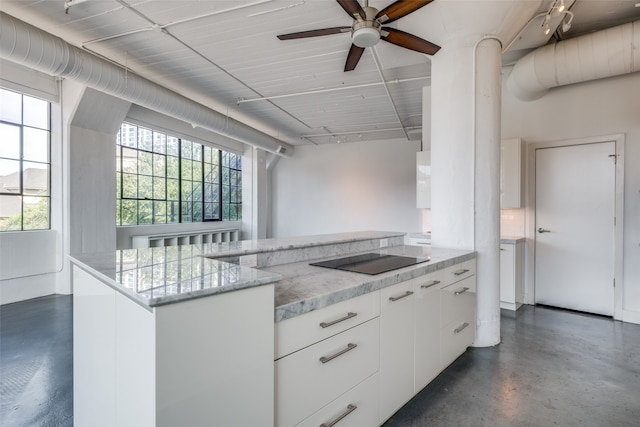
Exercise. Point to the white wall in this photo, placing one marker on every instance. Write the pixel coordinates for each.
(29, 260)
(346, 187)
(597, 108)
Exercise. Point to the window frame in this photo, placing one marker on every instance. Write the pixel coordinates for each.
(23, 192)
(185, 212)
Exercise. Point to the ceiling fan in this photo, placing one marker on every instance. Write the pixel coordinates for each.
(367, 29)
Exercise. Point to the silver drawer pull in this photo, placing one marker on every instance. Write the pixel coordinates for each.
(430, 284)
(460, 328)
(350, 409)
(342, 319)
(459, 272)
(325, 359)
(406, 294)
(461, 291)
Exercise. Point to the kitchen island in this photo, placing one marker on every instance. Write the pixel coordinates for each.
(223, 334)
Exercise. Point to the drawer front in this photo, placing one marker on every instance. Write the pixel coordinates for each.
(458, 272)
(304, 330)
(357, 407)
(455, 337)
(458, 319)
(458, 300)
(311, 378)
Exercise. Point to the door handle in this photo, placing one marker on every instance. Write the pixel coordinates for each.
(542, 230)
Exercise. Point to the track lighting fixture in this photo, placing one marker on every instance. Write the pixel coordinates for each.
(562, 9)
(566, 26)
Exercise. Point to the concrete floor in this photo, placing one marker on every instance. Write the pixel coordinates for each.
(552, 368)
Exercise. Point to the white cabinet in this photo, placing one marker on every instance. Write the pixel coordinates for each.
(427, 331)
(357, 407)
(397, 306)
(197, 362)
(423, 179)
(511, 275)
(419, 240)
(323, 358)
(313, 377)
(458, 319)
(393, 341)
(511, 169)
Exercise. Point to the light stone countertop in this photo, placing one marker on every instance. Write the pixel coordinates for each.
(156, 276)
(305, 288)
(250, 247)
(511, 240)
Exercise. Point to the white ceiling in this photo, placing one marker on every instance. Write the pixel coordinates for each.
(225, 55)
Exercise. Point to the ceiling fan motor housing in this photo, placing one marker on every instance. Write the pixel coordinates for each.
(365, 32)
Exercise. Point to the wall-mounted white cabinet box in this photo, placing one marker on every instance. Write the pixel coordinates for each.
(423, 179)
(511, 169)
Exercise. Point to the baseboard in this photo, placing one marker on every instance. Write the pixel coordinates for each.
(631, 316)
(14, 290)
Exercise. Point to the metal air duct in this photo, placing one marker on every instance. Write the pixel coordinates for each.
(601, 54)
(27, 45)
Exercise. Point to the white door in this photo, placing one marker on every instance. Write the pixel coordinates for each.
(575, 197)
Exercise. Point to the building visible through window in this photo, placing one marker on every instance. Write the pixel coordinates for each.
(25, 165)
(163, 179)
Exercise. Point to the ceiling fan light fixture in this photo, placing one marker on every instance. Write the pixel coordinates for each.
(365, 37)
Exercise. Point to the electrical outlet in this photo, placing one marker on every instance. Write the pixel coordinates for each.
(384, 243)
(249, 260)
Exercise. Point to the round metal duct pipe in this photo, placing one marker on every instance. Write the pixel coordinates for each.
(27, 45)
(601, 54)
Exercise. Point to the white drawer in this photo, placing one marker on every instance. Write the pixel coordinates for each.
(304, 330)
(458, 319)
(458, 300)
(457, 272)
(455, 337)
(358, 407)
(304, 384)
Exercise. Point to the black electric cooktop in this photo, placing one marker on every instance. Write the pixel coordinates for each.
(370, 263)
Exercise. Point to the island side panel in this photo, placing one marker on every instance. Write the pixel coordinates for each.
(214, 360)
(94, 343)
(135, 364)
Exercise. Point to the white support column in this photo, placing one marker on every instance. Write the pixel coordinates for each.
(488, 95)
(465, 164)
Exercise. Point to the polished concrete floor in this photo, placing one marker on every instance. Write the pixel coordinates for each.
(553, 368)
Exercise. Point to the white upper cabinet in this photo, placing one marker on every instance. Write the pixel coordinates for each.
(423, 179)
(511, 168)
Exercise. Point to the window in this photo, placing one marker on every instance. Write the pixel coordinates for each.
(25, 166)
(162, 179)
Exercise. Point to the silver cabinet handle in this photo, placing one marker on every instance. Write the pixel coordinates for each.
(342, 319)
(406, 294)
(462, 271)
(430, 284)
(350, 346)
(460, 328)
(461, 291)
(350, 409)
(542, 230)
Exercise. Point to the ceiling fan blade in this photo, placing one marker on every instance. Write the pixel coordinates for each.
(408, 41)
(355, 53)
(352, 7)
(400, 8)
(314, 33)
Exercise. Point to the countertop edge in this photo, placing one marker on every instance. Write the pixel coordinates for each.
(225, 250)
(297, 308)
(150, 303)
